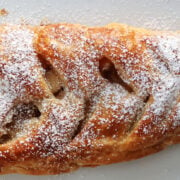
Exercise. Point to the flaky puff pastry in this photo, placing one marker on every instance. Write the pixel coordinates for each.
(73, 96)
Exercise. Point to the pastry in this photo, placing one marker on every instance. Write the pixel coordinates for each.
(74, 96)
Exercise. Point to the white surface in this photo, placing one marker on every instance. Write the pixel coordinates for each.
(156, 14)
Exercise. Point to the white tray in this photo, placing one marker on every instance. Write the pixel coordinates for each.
(155, 14)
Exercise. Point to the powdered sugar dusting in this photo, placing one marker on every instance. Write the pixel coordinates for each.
(78, 65)
(169, 48)
(149, 64)
(61, 121)
(18, 72)
(165, 71)
(163, 52)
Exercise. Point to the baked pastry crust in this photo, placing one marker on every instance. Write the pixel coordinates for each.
(74, 96)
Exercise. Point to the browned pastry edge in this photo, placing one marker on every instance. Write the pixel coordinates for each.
(30, 166)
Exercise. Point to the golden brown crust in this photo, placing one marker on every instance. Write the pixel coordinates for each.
(86, 96)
